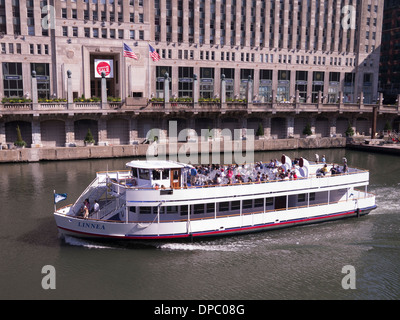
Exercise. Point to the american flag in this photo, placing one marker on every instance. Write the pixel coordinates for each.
(128, 52)
(153, 54)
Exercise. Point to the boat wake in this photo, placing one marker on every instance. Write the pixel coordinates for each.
(198, 247)
(84, 243)
(387, 200)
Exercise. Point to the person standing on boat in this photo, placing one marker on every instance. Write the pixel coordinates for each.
(193, 174)
(96, 207)
(85, 209)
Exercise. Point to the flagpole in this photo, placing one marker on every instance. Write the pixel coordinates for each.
(123, 84)
(148, 68)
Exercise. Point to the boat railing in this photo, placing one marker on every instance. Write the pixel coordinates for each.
(123, 182)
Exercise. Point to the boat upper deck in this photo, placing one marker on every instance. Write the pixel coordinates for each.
(166, 175)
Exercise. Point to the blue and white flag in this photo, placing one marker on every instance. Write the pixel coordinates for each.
(59, 197)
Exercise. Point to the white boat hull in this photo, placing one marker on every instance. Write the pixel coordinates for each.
(210, 227)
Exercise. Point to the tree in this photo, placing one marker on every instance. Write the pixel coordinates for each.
(260, 130)
(349, 132)
(307, 130)
(19, 142)
(89, 137)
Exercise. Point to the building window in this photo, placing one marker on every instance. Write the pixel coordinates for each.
(43, 79)
(229, 82)
(206, 83)
(318, 85)
(283, 86)
(265, 85)
(185, 88)
(301, 85)
(12, 79)
(160, 73)
(245, 74)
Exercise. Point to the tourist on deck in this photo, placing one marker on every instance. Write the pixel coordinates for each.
(96, 208)
(345, 168)
(193, 174)
(85, 209)
(229, 175)
(324, 169)
(217, 179)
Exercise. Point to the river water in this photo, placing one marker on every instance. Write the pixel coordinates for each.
(296, 263)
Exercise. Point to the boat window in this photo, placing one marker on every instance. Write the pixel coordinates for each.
(224, 206)
(210, 207)
(198, 208)
(247, 204)
(160, 174)
(132, 209)
(176, 174)
(165, 174)
(156, 174)
(144, 174)
(235, 205)
(145, 210)
(172, 209)
(134, 172)
(269, 201)
(312, 196)
(259, 203)
(184, 210)
(301, 197)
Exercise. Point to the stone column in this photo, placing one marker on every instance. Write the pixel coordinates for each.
(380, 100)
(195, 89)
(166, 88)
(332, 126)
(69, 133)
(266, 122)
(34, 92)
(312, 124)
(361, 101)
(133, 132)
(69, 90)
(103, 90)
(223, 89)
(290, 127)
(249, 95)
(102, 127)
(36, 134)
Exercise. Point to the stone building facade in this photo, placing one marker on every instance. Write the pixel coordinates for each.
(310, 52)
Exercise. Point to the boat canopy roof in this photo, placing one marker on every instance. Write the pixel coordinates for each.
(156, 164)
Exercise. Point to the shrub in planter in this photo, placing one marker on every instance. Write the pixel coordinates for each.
(89, 140)
(19, 142)
(349, 132)
(307, 130)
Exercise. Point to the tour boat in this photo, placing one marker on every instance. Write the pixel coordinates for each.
(155, 200)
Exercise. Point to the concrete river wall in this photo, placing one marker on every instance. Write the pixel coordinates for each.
(141, 150)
